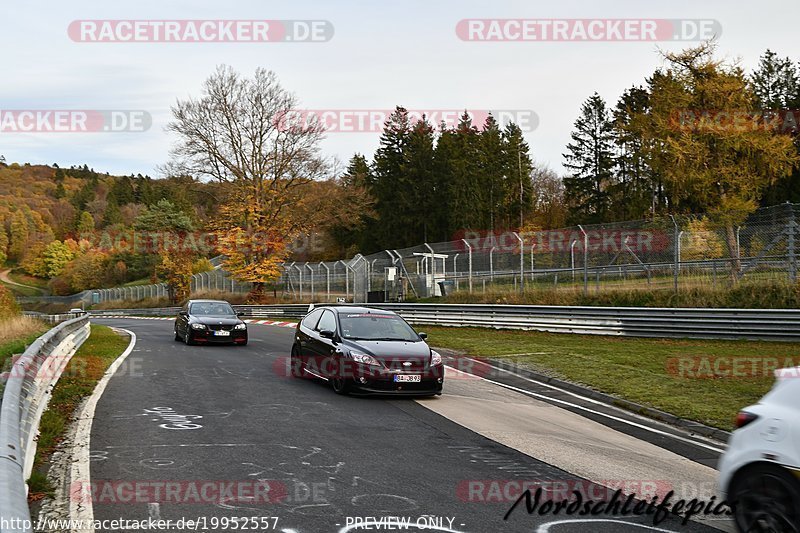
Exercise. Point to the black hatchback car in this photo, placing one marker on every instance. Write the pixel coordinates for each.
(209, 321)
(360, 349)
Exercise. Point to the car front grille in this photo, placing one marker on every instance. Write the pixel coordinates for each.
(220, 327)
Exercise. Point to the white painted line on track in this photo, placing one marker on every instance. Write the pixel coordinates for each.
(80, 506)
(594, 412)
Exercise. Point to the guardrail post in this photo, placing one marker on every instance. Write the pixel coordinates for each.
(469, 247)
(521, 262)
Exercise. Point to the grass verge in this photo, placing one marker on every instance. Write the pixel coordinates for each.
(746, 295)
(77, 382)
(16, 334)
(670, 375)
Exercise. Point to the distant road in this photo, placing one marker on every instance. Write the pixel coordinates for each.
(191, 415)
(5, 279)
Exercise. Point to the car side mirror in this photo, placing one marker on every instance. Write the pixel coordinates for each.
(327, 334)
(240, 313)
(422, 335)
(183, 313)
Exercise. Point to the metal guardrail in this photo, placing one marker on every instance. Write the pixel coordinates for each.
(696, 323)
(27, 389)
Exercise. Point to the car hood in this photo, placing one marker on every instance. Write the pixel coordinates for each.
(391, 350)
(216, 320)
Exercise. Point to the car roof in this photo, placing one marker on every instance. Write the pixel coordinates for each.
(354, 309)
(208, 302)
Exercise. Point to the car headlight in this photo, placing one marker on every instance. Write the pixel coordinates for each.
(436, 358)
(240, 326)
(198, 326)
(364, 359)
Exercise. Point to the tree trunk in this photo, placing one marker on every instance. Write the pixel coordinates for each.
(733, 252)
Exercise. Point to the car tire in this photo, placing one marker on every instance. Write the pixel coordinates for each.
(766, 498)
(177, 336)
(340, 386)
(187, 339)
(296, 364)
(339, 382)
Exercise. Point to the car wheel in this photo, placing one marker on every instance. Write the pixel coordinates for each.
(766, 498)
(298, 370)
(188, 338)
(177, 336)
(340, 386)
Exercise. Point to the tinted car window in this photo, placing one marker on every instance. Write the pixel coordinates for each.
(327, 322)
(374, 326)
(212, 309)
(311, 319)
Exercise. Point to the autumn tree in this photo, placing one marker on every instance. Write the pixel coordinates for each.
(244, 131)
(710, 164)
(776, 85)
(167, 227)
(3, 244)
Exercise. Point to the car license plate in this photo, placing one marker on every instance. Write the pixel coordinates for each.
(222, 333)
(407, 378)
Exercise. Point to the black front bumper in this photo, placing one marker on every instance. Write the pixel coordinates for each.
(204, 336)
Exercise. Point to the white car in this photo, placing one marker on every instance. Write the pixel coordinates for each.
(760, 471)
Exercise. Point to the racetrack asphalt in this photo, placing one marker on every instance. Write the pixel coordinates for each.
(197, 416)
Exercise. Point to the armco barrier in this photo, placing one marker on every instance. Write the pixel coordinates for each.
(27, 390)
(696, 323)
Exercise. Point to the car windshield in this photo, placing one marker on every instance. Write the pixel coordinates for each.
(373, 326)
(212, 309)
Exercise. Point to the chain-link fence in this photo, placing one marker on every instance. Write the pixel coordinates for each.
(670, 253)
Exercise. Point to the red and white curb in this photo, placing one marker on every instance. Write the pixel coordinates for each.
(246, 321)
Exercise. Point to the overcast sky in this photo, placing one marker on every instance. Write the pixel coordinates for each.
(382, 54)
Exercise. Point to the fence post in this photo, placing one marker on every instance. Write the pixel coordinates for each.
(312, 280)
(327, 279)
(469, 247)
(585, 260)
(676, 245)
(521, 262)
(791, 245)
(491, 267)
(572, 257)
(433, 268)
(300, 271)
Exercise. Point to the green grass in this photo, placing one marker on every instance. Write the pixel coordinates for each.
(747, 295)
(17, 346)
(77, 382)
(137, 282)
(639, 370)
(22, 291)
(25, 279)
